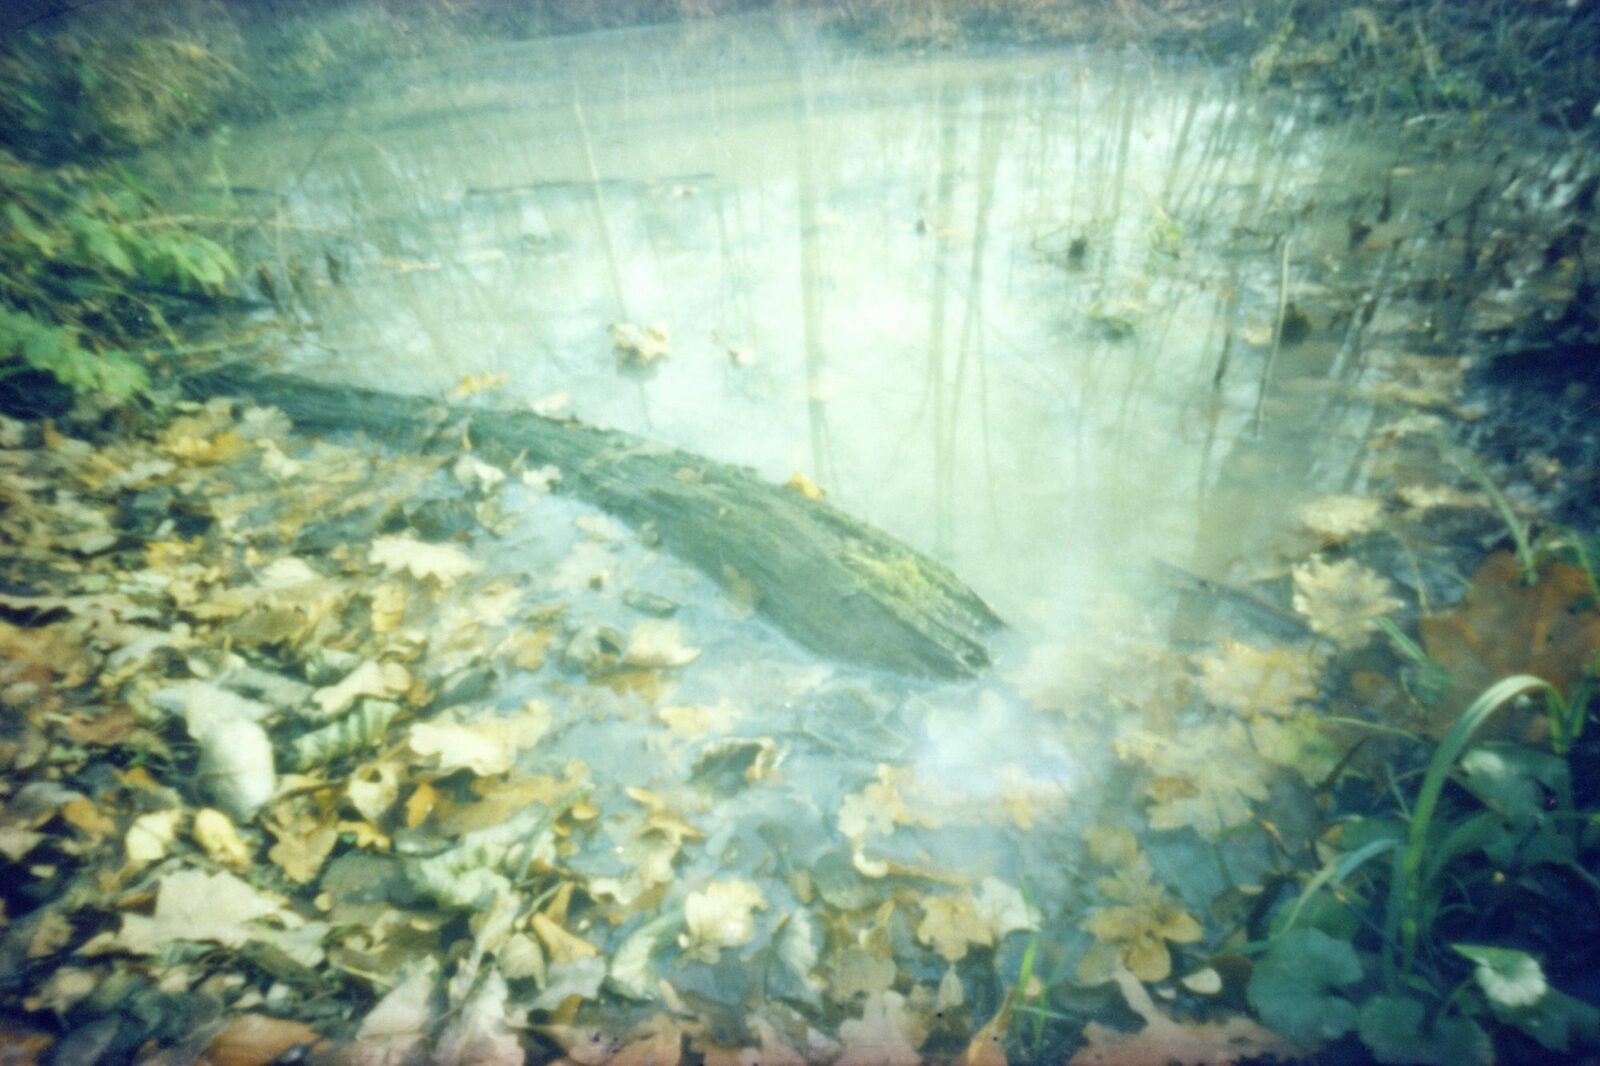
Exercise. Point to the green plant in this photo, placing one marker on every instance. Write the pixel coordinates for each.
(1393, 950)
(93, 274)
(1519, 533)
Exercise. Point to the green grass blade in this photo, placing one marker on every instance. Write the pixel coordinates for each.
(1334, 872)
(1408, 884)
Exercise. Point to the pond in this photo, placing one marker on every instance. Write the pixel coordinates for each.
(1090, 327)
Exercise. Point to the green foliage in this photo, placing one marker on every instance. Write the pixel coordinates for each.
(1295, 987)
(117, 86)
(1399, 1029)
(92, 273)
(1487, 814)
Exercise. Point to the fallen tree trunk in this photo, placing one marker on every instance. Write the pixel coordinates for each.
(833, 583)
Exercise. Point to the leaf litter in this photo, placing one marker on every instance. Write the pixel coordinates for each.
(317, 762)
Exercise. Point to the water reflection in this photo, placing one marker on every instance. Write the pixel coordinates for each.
(1002, 306)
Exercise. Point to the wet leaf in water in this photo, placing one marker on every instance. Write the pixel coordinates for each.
(1259, 680)
(988, 1045)
(472, 384)
(439, 563)
(1342, 600)
(1295, 986)
(1132, 931)
(950, 923)
(641, 346)
(486, 744)
(195, 906)
(885, 1035)
(306, 832)
(372, 678)
(722, 915)
(1175, 1043)
(1550, 629)
(561, 946)
(1205, 778)
(656, 644)
(657, 1042)
(1338, 518)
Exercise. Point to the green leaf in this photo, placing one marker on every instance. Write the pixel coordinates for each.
(1294, 986)
(1509, 978)
(1557, 1021)
(1398, 1030)
(30, 230)
(1513, 780)
(101, 243)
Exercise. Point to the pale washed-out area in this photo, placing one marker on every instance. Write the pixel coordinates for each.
(1014, 307)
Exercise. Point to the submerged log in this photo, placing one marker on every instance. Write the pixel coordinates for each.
(833, 583)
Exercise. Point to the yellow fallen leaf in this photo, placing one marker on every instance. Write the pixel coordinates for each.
(640, 346)
(1252, 680)
(215, 833)
(950, 923)
(371, 678)
(722, 915)
(487, 744)
(1338, 518)
(560, 945)
(656, 644)
(1343, 600)
(472, 384)
(150, 838)
(440, 563)
(804, 486)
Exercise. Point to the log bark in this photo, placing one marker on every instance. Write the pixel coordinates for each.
(831, 582)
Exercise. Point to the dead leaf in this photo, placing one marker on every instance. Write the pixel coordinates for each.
(656, 644)
(486, 744)
(215, 832)
(306, 834)
(560, 945)
(483, 1032)
(722, 915)
(1550, 629)
(950, 923)
(885, 1034)
(640, 346)
(258, 1039)
(439, 563)
(1259, 680)
(150, 838)
(988, 1045)
(371, 678)
(800, 484)
(1338, 518)
(81, 813)
(394, 1029)
(1343, 600)
(472, 384)
(1163, 1040)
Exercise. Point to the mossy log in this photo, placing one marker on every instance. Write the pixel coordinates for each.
(833, 583)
